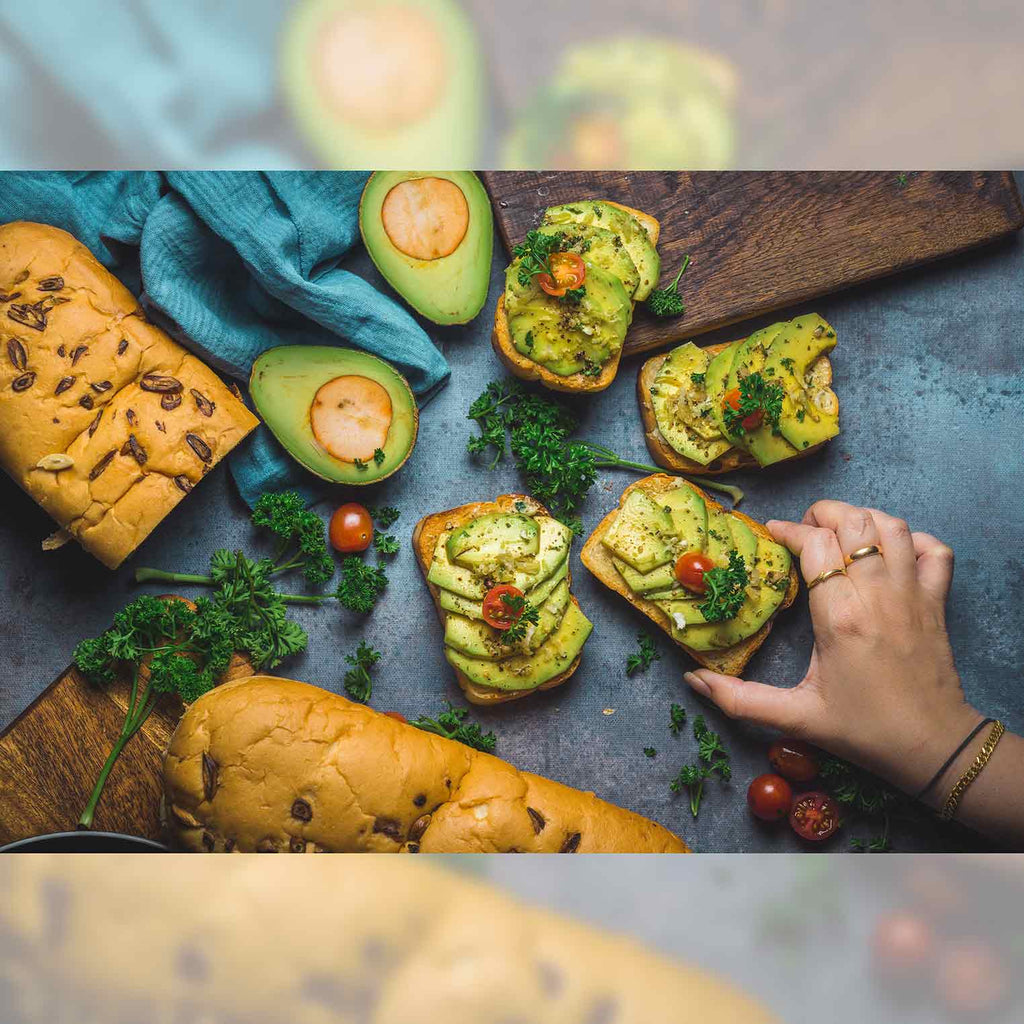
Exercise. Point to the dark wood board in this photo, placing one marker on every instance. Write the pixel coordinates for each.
(52, 753)
(764, 240)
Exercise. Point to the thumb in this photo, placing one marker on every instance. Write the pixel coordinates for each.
(788, 710)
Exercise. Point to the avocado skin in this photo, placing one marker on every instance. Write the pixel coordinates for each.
(451, 289)
(283, 384)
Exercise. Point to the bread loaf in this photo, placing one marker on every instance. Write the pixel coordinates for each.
(104, 420)
(274, 765)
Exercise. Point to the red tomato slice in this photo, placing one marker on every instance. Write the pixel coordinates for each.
(815, 816)
(569, 272)
(793, 760)
(690, 569)
(497, 613)
(351, 529)
(769, 797)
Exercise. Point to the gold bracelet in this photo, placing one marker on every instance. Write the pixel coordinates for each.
(984, 755)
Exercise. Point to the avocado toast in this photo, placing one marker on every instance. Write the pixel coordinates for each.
(682, 397)
(577, 346)
(469, 551)
(635, 546)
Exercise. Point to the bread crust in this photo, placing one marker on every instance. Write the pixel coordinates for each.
(596, 557)
(665, 455)
(527, 369)
(424, 540)
(275, 765)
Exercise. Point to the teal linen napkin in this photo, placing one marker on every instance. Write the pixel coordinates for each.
(232, 264)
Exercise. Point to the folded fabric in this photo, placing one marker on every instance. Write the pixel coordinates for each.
(232, 264)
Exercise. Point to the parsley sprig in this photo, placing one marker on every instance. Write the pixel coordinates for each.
(534, 255)
(640, 660)
(358, 684)
(865, 796)
(724, 589)
(668, 301)
(522, 613)
(756, 395)
(452, 725)
(712, 759)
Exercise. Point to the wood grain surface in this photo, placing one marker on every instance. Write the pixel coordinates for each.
(761, 241)
(52, 753)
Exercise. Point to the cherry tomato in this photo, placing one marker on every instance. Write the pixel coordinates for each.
(769, 797)
(903, 946)
(690, 569)
(351, 529)
(570, 272)
(397, 716)
(496, 612)
(814, 816)
(751, 422)
(793, 760)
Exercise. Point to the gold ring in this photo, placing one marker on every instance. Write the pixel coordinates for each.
(871, 549)
(826, 575)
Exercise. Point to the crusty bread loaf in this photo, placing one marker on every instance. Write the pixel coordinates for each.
(665, 455)
(274, 765)
(424, 540)
(598, 559)
(527, 369)
(87, 383)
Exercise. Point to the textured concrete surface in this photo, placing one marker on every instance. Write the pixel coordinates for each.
(928, 374)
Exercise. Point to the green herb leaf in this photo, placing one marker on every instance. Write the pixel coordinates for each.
(378, 455)
(668, 301)
(724, 590)
(358, 684)
(677, 718)
(452, 725)
(640, 660)
(756, 395)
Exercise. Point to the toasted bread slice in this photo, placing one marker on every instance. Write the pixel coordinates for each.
(527, 369)
(597, 558)
(424, 540)
(665, 455)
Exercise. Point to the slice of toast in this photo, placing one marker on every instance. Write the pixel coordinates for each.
(598, 559)
(424, 540)
(527, 369)
(665, 455)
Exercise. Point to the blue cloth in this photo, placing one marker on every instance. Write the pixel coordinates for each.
(232, 264)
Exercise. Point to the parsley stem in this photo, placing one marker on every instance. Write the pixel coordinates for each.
(682, 270)
(159, 576)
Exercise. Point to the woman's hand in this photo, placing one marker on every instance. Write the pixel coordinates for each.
(881, 689)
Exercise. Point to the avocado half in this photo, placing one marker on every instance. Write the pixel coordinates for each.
(431, 234)
(345, 415)
(376, 83)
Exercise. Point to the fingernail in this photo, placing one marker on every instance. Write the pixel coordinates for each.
(695, 682)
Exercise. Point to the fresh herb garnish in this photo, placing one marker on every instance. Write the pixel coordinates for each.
(712, 759)
(724, 590)
(677, 718)
(522, 614)
(668, 301)
(452, 725)
(298, 527)
(378, 455)
(534, 255)
(901, 179)
(360, 586)
(385, 517)
(640, 660)
(358, 684)
(360, 465)
(591, 369)
(698, 379)
(385, 543)
(865, 796)
(787, 363)
(756, 395)
(574, 296)
(649, 752)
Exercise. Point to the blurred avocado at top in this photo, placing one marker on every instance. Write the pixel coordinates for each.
(628, 103)
(431, 235)
(385, 83)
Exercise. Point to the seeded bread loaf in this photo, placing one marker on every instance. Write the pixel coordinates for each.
(104, 420)
(272, 765)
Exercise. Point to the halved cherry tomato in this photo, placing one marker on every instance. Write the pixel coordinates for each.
(690, 569)
(769, 797)
(814, 816)
(496, 612)
(569, 272)
(751, 422)
(351, 529)
(397, 716)
(793, 760)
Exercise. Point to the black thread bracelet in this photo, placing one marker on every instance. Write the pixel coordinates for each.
(952, 757)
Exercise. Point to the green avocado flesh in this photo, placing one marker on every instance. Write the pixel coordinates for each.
(690, 413)
(448, 289)
(677, 521)
(568, 337)
(604, 248)
(531, 553)
(378, 83)
(284, 385)
(633, 234)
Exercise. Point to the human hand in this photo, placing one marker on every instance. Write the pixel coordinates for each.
(881, 689)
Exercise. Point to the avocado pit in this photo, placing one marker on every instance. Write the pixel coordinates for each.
(350, 417)
(426, 218)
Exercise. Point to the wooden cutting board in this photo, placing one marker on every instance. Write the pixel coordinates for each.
(761, 241)
(52, 753)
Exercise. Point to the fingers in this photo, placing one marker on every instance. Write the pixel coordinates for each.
(816, 546)
(897, 545)
(856, 528)
(934, 565)
(788, 710)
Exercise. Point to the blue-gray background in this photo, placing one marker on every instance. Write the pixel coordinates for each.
(928, 372)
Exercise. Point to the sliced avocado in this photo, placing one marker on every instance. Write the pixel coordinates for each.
(719, 535)
(772, 565)
(689, 516)
(715, 377)
(344, 415)
(500, 539)
(682, 614)
(458, 580)
(662, 578)
(568, 337)
(744, 540)
(452, 602)
(527, 672)
(376, 84)
(633, 234)
(431, 234)
(603, 248)
(553, 557)
(810, 410)
(641, 532)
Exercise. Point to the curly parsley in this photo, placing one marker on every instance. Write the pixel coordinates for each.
(724, 590)
(452, 725)
(641, 659)
(668, 301)
(358, 684)
(712, 759)
(756, 396)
